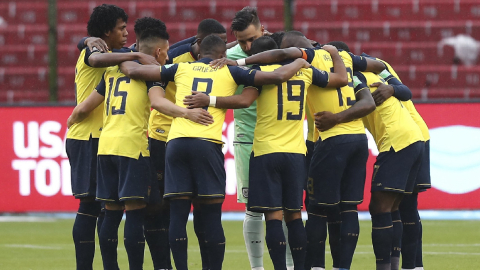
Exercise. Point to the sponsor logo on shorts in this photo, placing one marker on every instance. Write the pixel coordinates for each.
(245, 192)
(160, 131)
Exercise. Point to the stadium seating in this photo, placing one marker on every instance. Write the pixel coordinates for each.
(406, 33)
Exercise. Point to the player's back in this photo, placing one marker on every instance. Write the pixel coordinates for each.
(127, 107)
(411, 107)
(334, 100)
(199, 76)
(159, 124)
(86, 79)
(390, 124)
(281, 114)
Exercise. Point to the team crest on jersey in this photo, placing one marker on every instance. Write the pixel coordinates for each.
(245, 192)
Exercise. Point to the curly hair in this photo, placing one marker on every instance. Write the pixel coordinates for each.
(146, 23)
(339, 45)
(104, 18)
(245, 17)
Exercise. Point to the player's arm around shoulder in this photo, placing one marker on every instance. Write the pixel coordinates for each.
(97, 59)
(156, 94)
(393, 88)
(82, 110)
(281, 74)
(338, 78)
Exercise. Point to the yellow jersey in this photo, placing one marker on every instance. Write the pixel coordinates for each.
(125, 115)
(280, 112)
(159, 124)
(334, 100)
(390, 124)
(199, 76)
(86, 79)
(411, 107)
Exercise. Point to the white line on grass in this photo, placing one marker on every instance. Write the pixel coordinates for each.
(32, 246)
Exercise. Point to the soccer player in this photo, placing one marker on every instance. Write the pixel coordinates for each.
(401, 145)
(246, 27)
(194, 160)
(411, 241)
(107, 22)
(278, 158)
(123, 157)
(158, 129)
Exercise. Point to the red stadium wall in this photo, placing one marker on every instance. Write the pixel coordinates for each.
(35, 173)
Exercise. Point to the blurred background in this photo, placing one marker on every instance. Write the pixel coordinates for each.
(433, 46)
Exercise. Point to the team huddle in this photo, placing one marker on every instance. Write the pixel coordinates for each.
(154, 165)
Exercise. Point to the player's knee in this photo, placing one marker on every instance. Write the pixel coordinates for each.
(274, 215)
(134, 205)
(292, 215)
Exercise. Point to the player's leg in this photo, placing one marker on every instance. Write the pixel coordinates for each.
(324, 195)
(394, 174)
(410, 185)
(288, 251)
(380, 208)
(352, 187)
(157, 217)
(179, 188)
(83, 161)
(107, 191)
(199, 228)
(309, 254)
(253, 228)
(211, 217)
(293, 174)
(210, 181)
(265, 195)
(135, 178)
(411, 230)
(412, 236)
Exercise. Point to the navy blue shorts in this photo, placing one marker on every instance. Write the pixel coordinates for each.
(276, 182)
(397, 171)
(157, 157)
(83, 162)
(123, 178)
(423, 181)
(338, 170)
(194, 167)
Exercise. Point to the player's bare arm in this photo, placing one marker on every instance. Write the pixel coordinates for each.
(141, 72)
(243, 100)
(113, 59)
(363, 106)
(281, 74)
(83, 109)
(268, 57)
(165, 106)
(338, 77)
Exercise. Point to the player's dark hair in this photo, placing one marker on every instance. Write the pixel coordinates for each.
(294, 39)
(212, 45)
(278, 37)
(159, 32)
(103, 19)
(262, 44)
(145, 23)
(340, 45)
(245, 17)
(210, 26)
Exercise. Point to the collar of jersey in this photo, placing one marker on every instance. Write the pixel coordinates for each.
(204, 60)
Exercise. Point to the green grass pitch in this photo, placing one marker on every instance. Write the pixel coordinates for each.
(48, 245)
